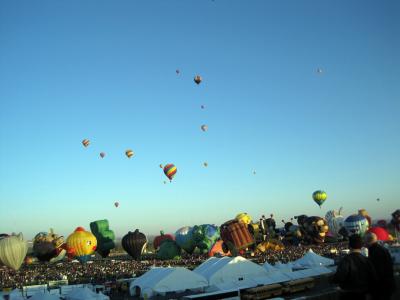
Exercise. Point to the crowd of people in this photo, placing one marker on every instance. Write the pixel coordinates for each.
(113, 268)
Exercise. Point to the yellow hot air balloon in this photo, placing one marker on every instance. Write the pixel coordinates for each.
(129, 153)
(81, 244)
(13, 250)
(244, 218)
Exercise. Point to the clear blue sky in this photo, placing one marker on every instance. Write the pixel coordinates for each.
(105, 70)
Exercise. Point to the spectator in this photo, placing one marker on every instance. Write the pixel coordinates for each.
(380, 257)
(355, 274)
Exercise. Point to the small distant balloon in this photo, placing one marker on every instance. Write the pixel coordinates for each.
(102, 154)
(129, 153)
(85, 142)
(378, 199)
(177, 71)
(202, 107)
(205, 164)
(197, 79)
(165, 182)
(170, 171)
(254, 172)
(116, 204)
(161, 166)
(204, 128)
(319, 71)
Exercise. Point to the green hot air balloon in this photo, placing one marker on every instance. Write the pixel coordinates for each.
(319, 197)
(105, 237)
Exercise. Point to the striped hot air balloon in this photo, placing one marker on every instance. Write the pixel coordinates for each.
(170, 171)
(129, 153)
(319, 197)
(85, 142)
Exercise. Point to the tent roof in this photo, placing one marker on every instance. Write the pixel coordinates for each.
(269, 268)
(81, 294)
(45, 296)
(283, 267)
(229, 269)
(169, 279)
(311, 259)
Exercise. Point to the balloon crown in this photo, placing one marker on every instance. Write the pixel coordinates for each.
(79, 229)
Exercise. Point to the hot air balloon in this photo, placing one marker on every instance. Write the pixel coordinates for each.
(102, 154)
(184, 239)
(380, 233)
(129, 153)
(161, 166)
(205, 164)
(198, 79)
(365, 214)
(165, 182)
(134, 243)
(104, 236)
(204, 128)
(169, 249)
(205, 236)
(319, 197)
(244, 218)
(49, 246)
(116, 204)
(81, 244)
(177, 71)
(158, 240)
(85, 142)
(335, 221)
(216, 250)
(13, 250)
(170, 171)
(314, 229)
(356, 224)
(378, 199)
(319, 71)
(202, 107)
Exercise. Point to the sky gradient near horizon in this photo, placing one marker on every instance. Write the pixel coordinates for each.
(105, 70)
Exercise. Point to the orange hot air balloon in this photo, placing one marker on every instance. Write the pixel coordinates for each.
(129, 153)
(85, 142)
(170, 171)
(216, 250)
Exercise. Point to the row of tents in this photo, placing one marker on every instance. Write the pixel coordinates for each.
(227, 273)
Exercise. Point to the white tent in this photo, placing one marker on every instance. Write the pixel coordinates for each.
(224, 270)
(311, 259)
(84, 294)
(269, 268)
(285, 268)
(16, 295)
(45, 296)
(163, 280)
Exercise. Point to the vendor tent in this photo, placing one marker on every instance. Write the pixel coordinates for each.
(164, 280)
(238, 270)
(311, 259)
(85, 294)
(45, 296)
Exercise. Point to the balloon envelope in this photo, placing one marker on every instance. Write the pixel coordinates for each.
(85, 142)
(170, 171)
(134, 243)
(81, 244)
(204, 128)
(13, 250)
(129, 153)
(102, 154)
(319, 197)
(197, 79)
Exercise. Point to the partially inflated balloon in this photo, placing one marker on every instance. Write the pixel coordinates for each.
(335, 221)
(85, 142)
(49, 246)
(319, 197)
(81, 244)
(105, 237)
(170, 171)
(365, 214)
(158, 240)
(204, 236)
(129, 153)
(184, 239)
(244, 218)
(356, 224)
(13, 250)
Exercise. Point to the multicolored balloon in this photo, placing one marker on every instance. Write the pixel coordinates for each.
(81, 244)
(49, 246)
(356, 224)
(319, 197)
(158, 240)
(170, 171)
(85, 142)
(335, 221)
(129, 153)
(365, 214)
(205, 236)
(197, 79)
